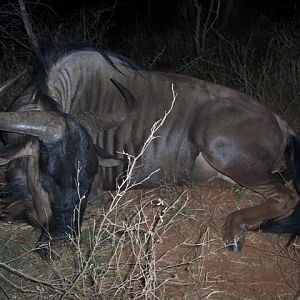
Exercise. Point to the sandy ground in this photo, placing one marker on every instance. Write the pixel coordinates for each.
(189, 259)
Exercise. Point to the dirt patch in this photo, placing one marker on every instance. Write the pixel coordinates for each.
(191, 261)
(159, 244)
(265, 269)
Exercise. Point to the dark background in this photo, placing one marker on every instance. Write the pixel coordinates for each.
(163, 14)
(235, 19)
(165, 11)
(249, 45)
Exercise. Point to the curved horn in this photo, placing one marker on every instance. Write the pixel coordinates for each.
(7, 84)
(47, 126)
(107, 121)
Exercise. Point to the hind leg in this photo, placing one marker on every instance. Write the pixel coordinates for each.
(252, 169)
(279, 202)
(244, 141)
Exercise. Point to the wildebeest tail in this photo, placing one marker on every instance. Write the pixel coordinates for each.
(291, 224)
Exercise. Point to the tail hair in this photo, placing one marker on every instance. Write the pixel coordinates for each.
(291, 224)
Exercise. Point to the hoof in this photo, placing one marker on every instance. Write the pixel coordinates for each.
(236, 244)
(45, 252)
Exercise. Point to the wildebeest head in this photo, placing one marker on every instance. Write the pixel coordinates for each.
(62, 163)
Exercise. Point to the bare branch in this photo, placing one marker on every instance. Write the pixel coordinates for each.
(16, 287)
(28, 277)
(30, 33)
(13, 38)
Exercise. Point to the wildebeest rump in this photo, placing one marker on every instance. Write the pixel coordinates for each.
(212, 132)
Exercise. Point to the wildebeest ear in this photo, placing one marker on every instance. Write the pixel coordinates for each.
(109, 162)
(105, 159)
(14, 151)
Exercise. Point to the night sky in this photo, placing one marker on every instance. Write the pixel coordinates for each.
(236, 21)
(273, 8)
(164, 13)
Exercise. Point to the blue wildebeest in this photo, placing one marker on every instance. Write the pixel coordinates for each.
(212, 132)
(53, 161)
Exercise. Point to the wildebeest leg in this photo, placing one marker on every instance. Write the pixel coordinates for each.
(97, 188)
(43, 246)
(279, 202)
(40, 198)
(247, 147)
(251, 169)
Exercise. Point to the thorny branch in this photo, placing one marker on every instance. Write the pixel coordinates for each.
(16, 287)
(127, 183)
(28, 277)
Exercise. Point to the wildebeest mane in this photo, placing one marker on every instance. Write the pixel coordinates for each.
(112, 58)
(126, 61)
